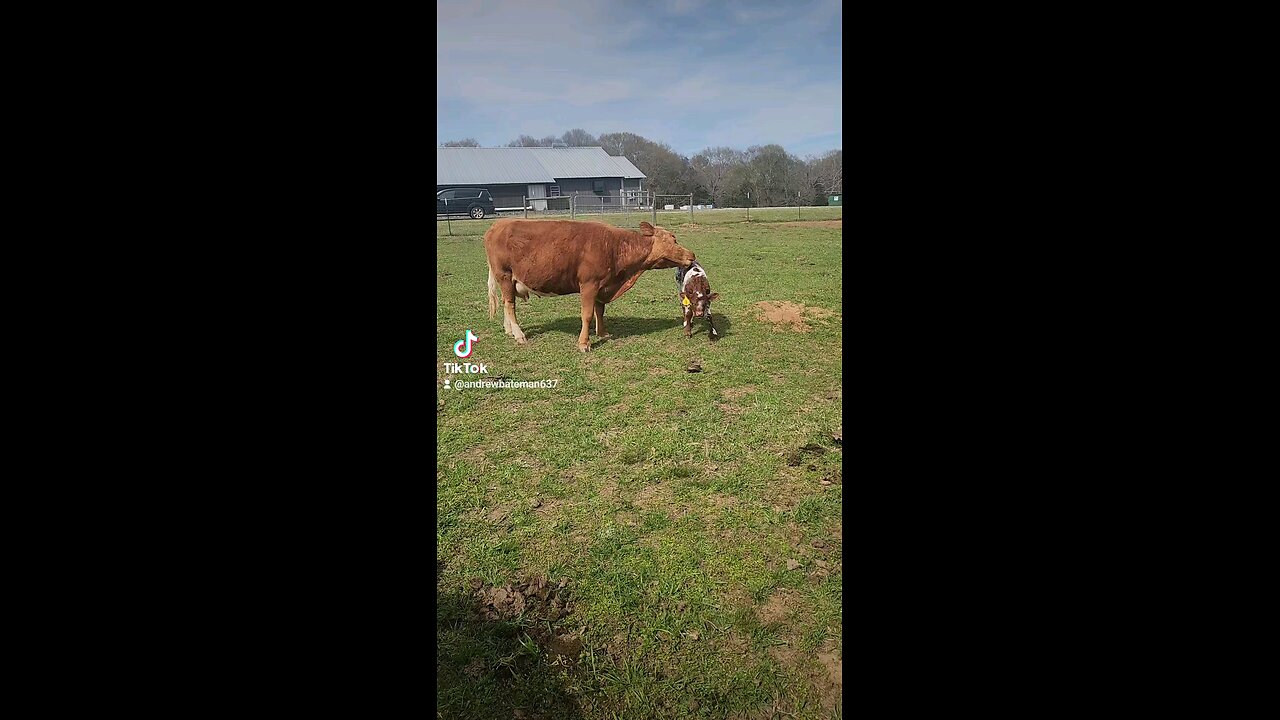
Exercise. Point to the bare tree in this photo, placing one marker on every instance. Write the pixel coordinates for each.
(712, 167)
(578, 137)
(772, 170)
(469, 142)
(830, 171)
(524, 141)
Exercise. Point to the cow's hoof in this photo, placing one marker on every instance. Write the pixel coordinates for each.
(584, 348)
(521, 341)
(605, 336)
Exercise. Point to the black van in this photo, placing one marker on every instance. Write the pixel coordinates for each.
(476, 202)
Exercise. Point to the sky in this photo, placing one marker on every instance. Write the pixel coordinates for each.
(690, 73)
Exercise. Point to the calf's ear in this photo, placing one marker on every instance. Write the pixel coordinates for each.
(646, 228)
(713, 297)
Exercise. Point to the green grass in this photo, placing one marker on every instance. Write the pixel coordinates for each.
(660, 489)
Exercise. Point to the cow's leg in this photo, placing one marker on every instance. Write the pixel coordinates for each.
(688, 321)
(600, 331)
(508, 285)
(588, 309)
(712, 326)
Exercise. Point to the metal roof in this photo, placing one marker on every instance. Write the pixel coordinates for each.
(481, 166)
(629, 171)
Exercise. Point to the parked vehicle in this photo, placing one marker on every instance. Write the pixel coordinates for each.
(476, 202)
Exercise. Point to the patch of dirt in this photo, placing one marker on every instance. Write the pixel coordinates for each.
(547, 507)
(568, 646)
(787, 655)
(780, 605)
(719, 501)
(728, 409)
(608, 489)
(784, 313)
(655, 497)
(833, 662)
(735, 393)
(547, 604)
(734, 643)
(474, 455)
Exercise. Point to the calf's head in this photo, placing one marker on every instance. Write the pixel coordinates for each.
(666, 252)
(699, 296)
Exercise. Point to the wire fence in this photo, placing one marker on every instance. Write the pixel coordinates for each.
(629, 211)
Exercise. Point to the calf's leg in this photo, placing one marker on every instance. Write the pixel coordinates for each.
(713, 335)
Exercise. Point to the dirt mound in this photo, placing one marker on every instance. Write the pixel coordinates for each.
(546, 605)
(794, 314)
(534, 597)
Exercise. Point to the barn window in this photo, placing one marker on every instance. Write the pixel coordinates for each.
(599, 187)
(554, 191)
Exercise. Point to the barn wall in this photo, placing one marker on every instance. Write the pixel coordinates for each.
(512, 195)
(584, 186)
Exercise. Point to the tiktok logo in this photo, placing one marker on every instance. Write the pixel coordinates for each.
(462, 348)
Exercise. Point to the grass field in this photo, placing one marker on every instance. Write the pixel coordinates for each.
(687, 525)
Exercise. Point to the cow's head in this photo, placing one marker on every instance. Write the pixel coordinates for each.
(666, 253)
(698, 293)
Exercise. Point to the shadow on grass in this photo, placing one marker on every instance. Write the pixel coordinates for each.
(724, 326)
(492, 669)
(621, 326)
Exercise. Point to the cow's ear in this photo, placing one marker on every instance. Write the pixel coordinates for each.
(713, 297)
(646, 228)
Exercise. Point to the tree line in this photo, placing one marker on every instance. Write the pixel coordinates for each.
(720, 175)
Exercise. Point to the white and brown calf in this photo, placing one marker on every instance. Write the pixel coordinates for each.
(695, 299)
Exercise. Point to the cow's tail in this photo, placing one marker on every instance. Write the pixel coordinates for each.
(493, 294)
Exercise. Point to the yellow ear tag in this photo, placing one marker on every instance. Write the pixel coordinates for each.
(686, 302)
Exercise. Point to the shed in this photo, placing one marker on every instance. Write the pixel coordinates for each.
(512, 174)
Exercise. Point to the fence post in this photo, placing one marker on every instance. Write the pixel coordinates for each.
(524, 201)
(449, 224)
(653, 205)
(690, 207)
(573, 200)
(797, 206)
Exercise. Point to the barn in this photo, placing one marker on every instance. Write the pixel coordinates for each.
(513, 173)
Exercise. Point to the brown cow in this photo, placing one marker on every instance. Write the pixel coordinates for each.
(563, 257)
